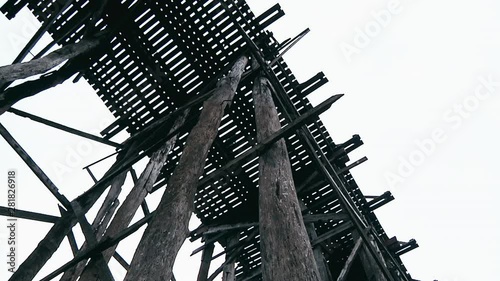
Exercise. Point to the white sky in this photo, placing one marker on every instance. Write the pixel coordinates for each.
(417, 75)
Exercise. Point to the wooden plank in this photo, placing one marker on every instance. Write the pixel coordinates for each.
(155, 255)
(285, 248)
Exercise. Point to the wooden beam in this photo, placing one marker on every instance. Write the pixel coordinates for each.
(34, 167)
(265, 144)
(45, 26)
(10, 212)
(228, 271)
(352, 165)
(98, 248)
(332, 233)
(285, 248)
(14, 94)
(155, 255)
(24, 70)
(372, 270)
(91, 239)
(325, 217)
(49, 244)
(350, 260)
(323, 269)
(63, 127)
(206, 258)
(136, 197)
(99, 224)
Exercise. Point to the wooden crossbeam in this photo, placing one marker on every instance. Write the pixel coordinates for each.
(10, 212)
(99, 247)
(332, 233)
(34, 167)
(63, 127)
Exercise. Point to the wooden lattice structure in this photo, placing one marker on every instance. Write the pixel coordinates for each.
(155, 65)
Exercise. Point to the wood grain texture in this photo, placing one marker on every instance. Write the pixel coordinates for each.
(165, 234)
(285, 247)
(134, 199)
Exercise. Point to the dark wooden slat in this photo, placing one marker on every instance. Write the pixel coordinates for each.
(10, 212)
(63, 127)
(34, 167)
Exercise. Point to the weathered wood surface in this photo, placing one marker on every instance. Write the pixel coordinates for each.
(49, 244)
(39, 66)
(371, 267)
(228, 273)
(165, 234)
(323, 269)
(23, 70)
(285, 247)
(206, 258)
(134, 199)
(99, 224)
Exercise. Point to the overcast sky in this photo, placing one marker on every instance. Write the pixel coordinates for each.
(420, 84)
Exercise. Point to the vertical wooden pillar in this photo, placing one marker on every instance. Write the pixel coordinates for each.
(285, 247)
(228, 272)
(206, 258)
(167, 230)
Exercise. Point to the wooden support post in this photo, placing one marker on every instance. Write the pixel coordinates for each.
(165, 234)
(228, 272)
(134, 199)
(372, 270)
(206, 258)
(285, 247)
(348, 263)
